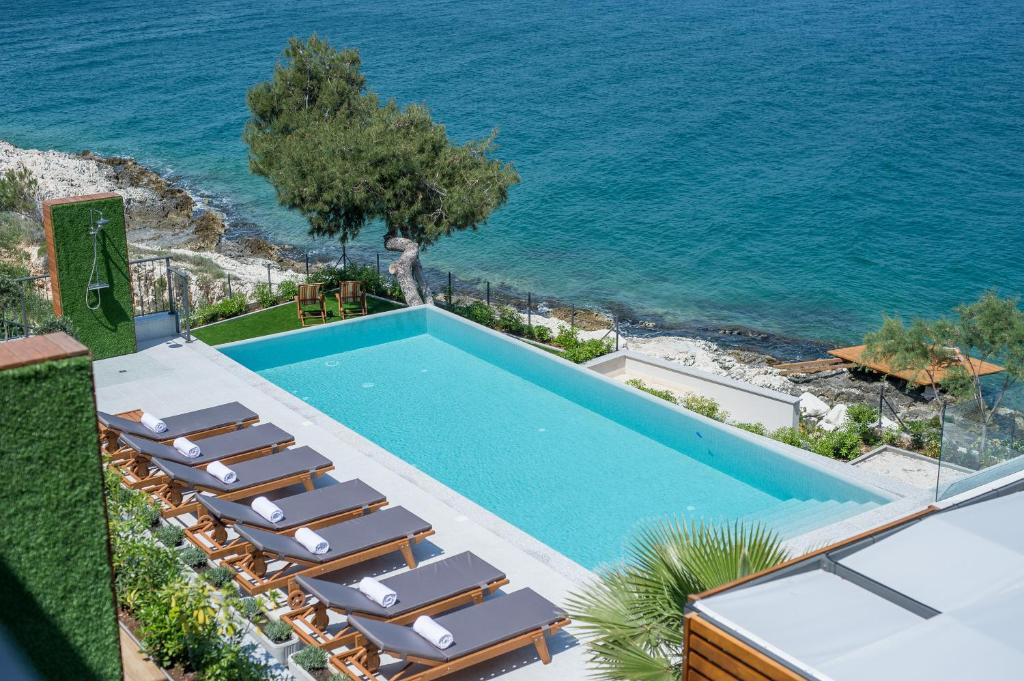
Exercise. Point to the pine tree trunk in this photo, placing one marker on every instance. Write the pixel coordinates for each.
(408, 271)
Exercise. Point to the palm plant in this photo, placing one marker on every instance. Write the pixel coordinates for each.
(632, 616)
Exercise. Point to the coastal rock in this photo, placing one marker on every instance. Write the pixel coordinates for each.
(207, 231)
(835, 419)
(812, 405)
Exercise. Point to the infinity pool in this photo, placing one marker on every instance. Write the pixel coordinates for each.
(570, 457)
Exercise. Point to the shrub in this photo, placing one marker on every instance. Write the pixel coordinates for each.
(54, 324)
(666, 395)
(789, 435)
(478, 312)
(176, 623)
(287, 290)
(863, 421)
(219, 576)
(140, 568)
(18, 188)
(541, 334)
(277, 631)
(705, 406)
(250, 608)
(193, 557)
(311, 659)
(756, 428)
(891, 436)
(579, 351)
(148, 514)
(842, 444)
(170, 535)
(224, 309)
(231, 661)
(926, 435)
(510, 321)
(373, 283)
(263, 296)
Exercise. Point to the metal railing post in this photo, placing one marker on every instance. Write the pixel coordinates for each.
(378, 264)
(170, 286)
(230, 294)
(616, 320)
(344, 255)
(572, 317)
(307, 266)
(269, 283)
(449, 289)
(942, 431)
(529, 309)
(24, 310)
(881, 402)
(186, 303)
(488, 294)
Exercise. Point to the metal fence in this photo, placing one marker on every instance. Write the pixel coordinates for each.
(26, 307)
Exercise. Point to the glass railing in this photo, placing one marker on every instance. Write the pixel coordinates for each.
(978, 449)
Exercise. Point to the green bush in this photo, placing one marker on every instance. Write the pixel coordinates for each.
(219, 576)
(223, 309)
(478, 312)
(756, 428)
(891, 437)
(842, 444)
(176, 623)
(170, 535)
(192, 557)
(53, 324)
(277, 631)
(263, 296)
(541, 334)
(311, 659)
(789, 435)
(925, 435)
(250, 608)
(231, 661)
(148, 514)
(287, 290)
(580, 351)
(140, 567)
(510, 321)
(863, 421)
(373, 283)
(18, 187)
(666, 395)
(705, 406)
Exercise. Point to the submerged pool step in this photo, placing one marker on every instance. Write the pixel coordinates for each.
(794, 517)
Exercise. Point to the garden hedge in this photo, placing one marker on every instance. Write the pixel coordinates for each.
(110, 330)
(57, 602)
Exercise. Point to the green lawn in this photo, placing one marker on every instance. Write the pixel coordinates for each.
(275, 320)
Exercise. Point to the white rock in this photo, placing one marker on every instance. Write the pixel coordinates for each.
(812, 405)
(889, 424)
(836, 417)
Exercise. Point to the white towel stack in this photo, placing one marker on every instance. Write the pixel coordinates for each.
(153, 423)
(268, 509)
(377, 592)
(222, 472)
(186, 447)
(313, 542)
(437, 635)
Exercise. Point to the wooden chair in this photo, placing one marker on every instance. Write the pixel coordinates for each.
(351, 299)
(310, 294)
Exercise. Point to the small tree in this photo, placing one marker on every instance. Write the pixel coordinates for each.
(18, 188)
(988, 330)
(343, 159)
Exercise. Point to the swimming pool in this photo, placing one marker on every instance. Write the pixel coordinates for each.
(568, 456)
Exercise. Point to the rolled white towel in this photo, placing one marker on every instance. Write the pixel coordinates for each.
(437, 635)
(313, 542)
(222, 472)
(377, 592)
(153, 423)
(186, 447)
(268, 509)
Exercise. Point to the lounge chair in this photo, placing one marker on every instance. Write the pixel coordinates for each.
(323, 506)
(310, 295)
(428, 590)
(179, 486)
(481, 632)
(352, 542)
(351, 299)
(238, 445)
(194, 424)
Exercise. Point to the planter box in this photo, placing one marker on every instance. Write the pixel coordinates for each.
(279, 651)
(298, 671)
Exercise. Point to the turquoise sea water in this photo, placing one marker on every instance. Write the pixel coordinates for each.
(574, 460)
(796, 166)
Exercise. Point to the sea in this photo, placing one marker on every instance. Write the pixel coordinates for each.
(798, 168)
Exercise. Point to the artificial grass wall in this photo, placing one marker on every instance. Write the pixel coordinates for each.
(56, 598)
(110, 330)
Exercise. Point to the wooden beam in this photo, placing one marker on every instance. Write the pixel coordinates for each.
(35, 349)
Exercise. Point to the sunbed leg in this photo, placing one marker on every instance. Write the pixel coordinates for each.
(542, 649)
(307, 482)
(296, 598)
(410, 559)
(319, 618)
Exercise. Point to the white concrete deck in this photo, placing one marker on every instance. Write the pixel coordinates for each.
(173, 376)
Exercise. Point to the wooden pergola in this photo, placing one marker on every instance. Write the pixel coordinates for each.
(855, 355)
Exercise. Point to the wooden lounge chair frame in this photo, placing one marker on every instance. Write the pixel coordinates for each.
(351, 292)
(362, 664)
(310, 622)
(211, 535)
(310, 294)
(175, 499)
(135, 471)
(109, 436)
(251, 566)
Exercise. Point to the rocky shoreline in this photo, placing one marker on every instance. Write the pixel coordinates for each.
(165, 219)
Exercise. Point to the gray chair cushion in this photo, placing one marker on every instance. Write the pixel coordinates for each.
(473, 628)
(254, 472)
(213, 448)
(416, 588)
(299, 509)
(231, 413)
(345, 538)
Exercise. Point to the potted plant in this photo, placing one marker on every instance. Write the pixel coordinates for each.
(276, 636)
(310, 664)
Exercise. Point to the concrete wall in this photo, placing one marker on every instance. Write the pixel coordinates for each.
(745, 403)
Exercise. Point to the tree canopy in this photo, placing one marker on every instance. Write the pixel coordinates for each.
(342, 158)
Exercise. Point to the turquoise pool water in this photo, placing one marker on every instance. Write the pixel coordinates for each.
(569, 457)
